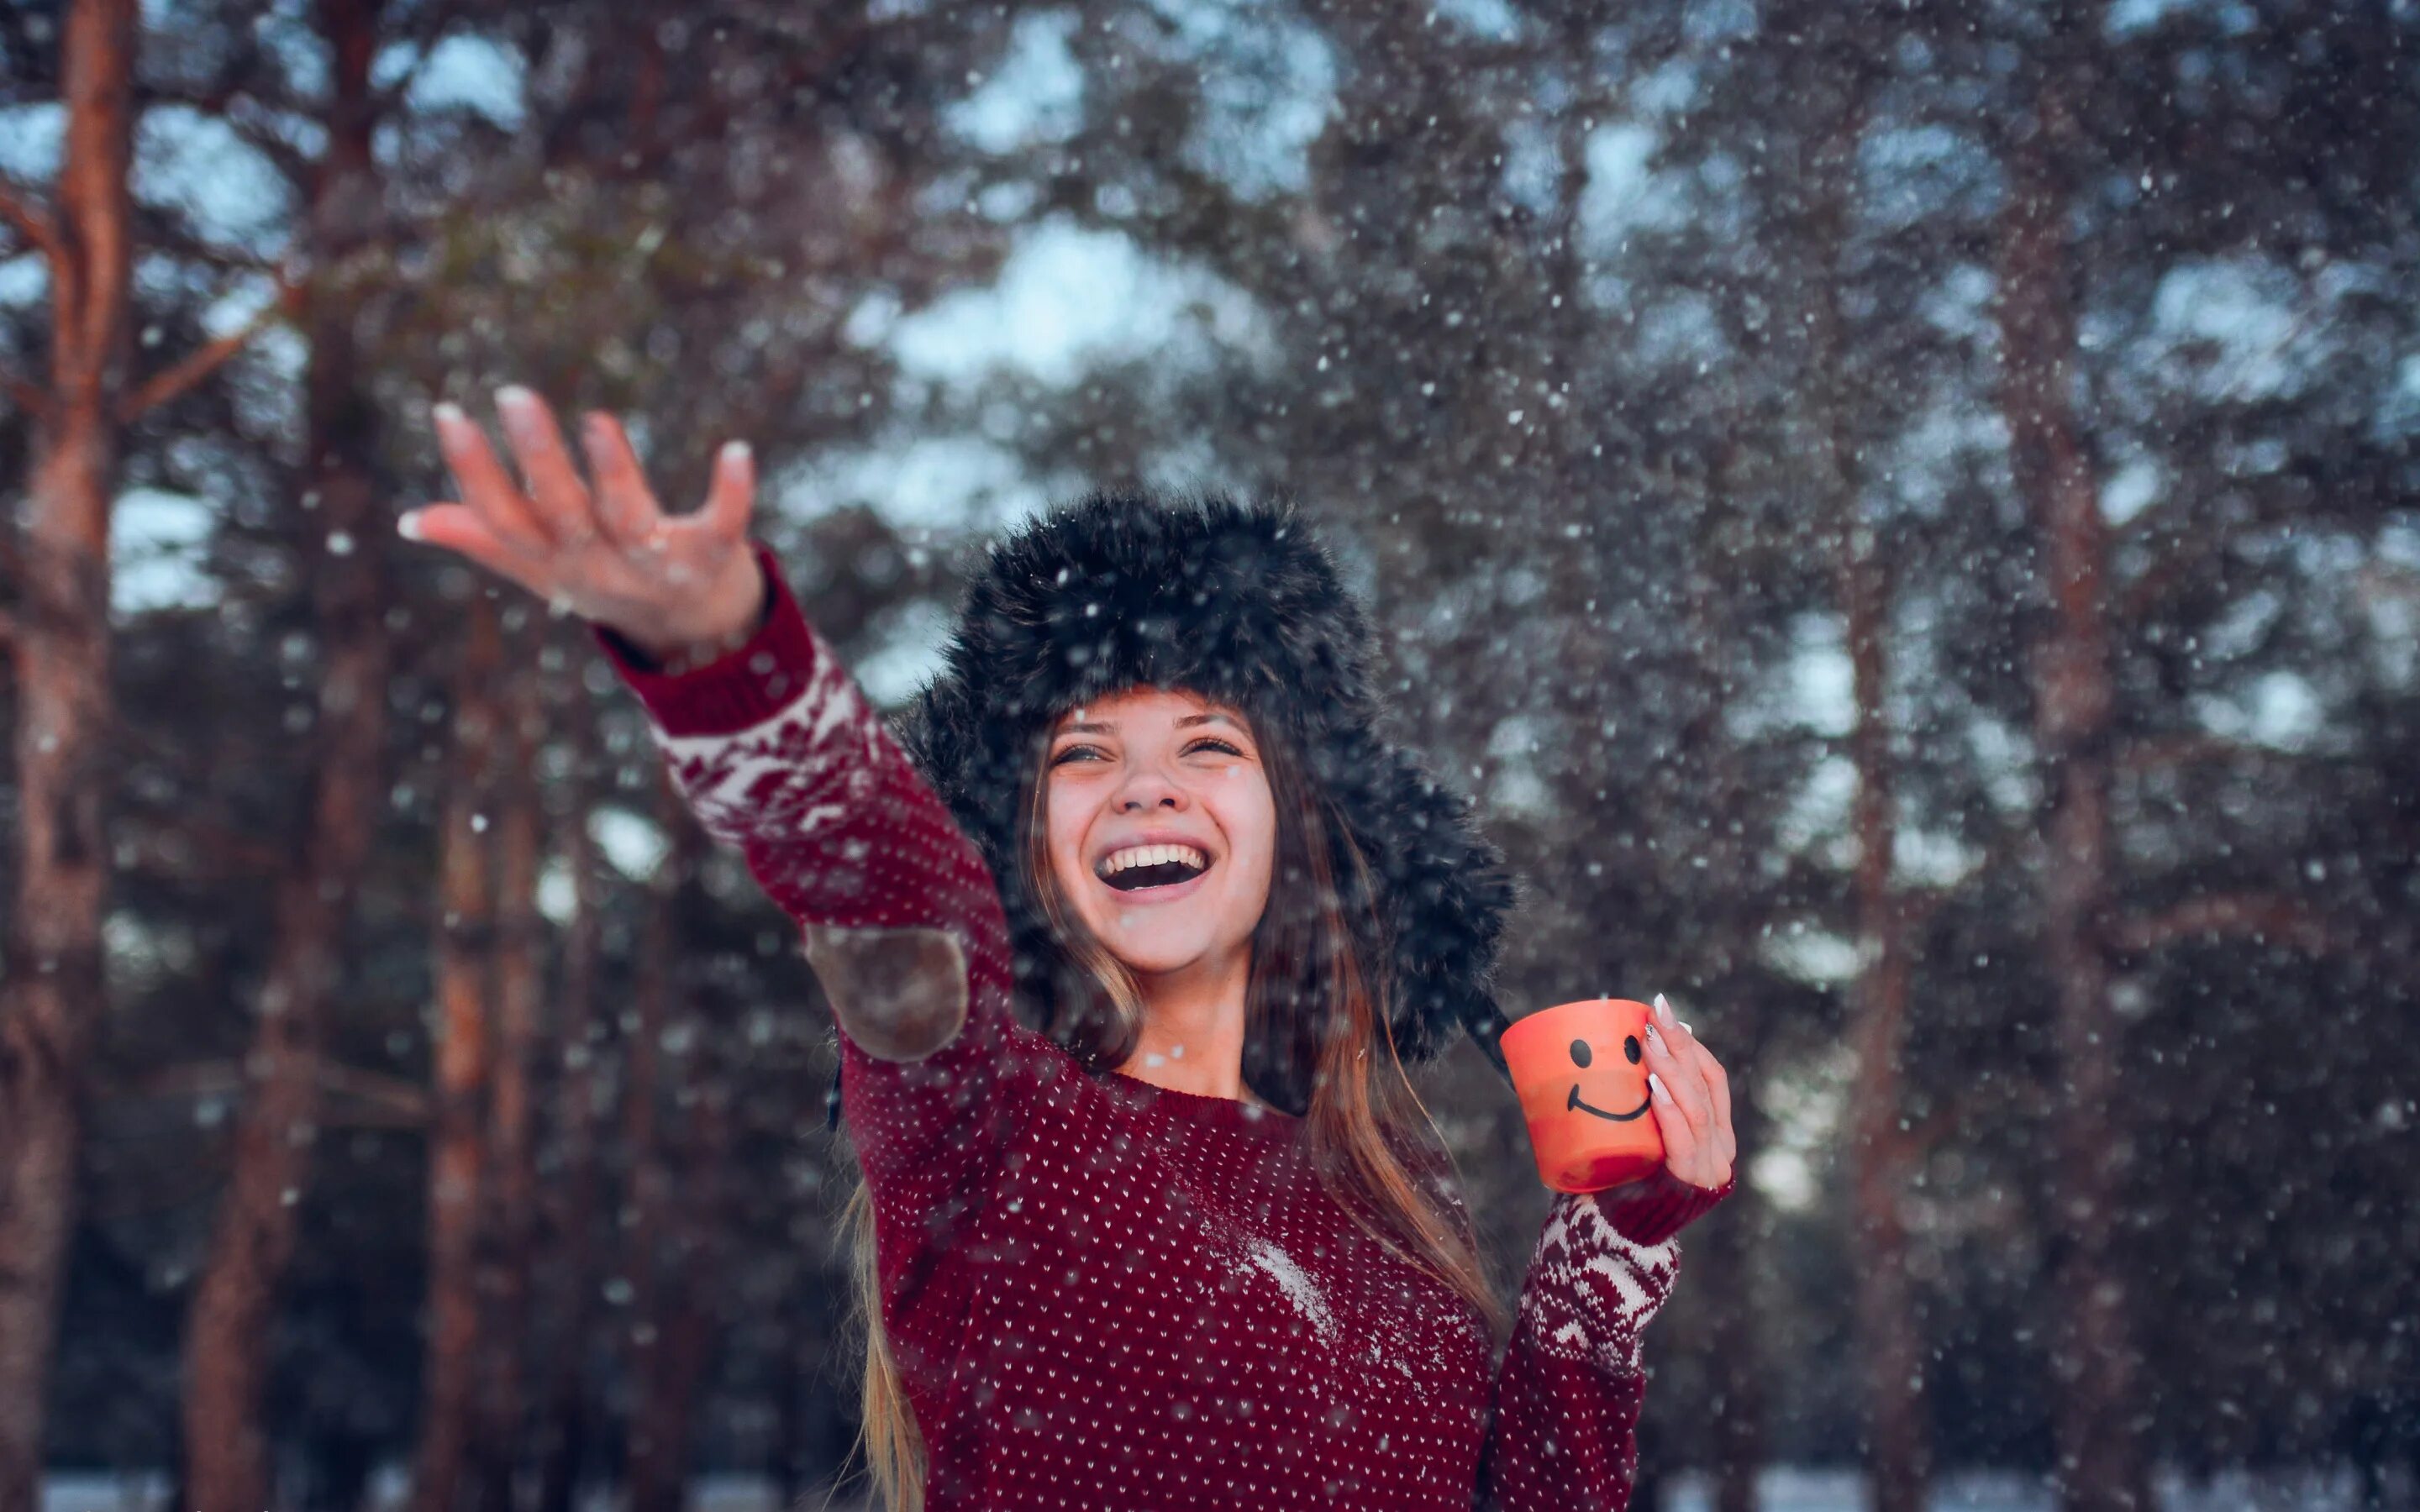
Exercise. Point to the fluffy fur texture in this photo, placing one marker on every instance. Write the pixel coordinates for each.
(1240, 604)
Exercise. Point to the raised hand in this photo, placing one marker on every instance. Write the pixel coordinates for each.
(681, 587)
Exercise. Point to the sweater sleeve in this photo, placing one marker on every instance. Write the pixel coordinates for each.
(776, 751)
(1564, 1432)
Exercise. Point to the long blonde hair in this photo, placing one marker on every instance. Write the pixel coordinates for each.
(1314, 1008)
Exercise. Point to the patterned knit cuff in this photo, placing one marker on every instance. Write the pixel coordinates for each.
(1653, 1210)
(1590, 1290)
(738, 689)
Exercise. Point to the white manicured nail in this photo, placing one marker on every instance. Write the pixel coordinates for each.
(1655, 1084)
(409, 526)
(735, 453)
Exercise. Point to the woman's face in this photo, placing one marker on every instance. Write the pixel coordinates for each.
(1161, 827)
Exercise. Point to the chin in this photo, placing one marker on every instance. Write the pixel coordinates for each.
(1156, 958)
(1155, 947)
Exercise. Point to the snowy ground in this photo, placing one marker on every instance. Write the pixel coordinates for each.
(1787, 1489)
(1782, 1489)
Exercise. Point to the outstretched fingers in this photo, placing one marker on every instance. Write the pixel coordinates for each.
(626, 506)
(460, 529)
(733, 494)
(561, 498)
(487, 490)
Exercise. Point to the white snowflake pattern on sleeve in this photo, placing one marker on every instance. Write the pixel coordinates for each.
(1590, 1290)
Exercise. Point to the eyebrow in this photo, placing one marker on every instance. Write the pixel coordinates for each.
(1186, 723)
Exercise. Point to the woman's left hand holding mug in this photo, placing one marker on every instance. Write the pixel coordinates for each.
(1692, 1099)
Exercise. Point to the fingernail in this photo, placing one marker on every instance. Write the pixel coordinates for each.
(1652, 1033)
(409, 526)
(1664, 1008)
(735, 453)
(448, 413)
(1655, 1086)
(1685, 1023)
(513, 396)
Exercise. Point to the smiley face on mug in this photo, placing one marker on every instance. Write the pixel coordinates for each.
(1620, 1083)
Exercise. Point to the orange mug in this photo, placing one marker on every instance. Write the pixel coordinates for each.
(1581, 1072)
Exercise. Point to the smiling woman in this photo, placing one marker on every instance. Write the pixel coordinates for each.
(1131, 930)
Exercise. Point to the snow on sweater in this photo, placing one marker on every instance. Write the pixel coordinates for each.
(1107, 1294)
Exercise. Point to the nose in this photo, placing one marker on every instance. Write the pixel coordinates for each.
(1148, 787)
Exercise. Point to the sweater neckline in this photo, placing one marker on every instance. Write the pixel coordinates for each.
(1201, 1107)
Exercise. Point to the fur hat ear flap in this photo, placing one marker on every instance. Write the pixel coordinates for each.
(1443, 892)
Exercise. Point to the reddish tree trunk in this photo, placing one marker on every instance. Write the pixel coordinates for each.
(690, 1322)
(227, 1359)
(649, 1205)
(1898, 1450)
(53, 993)
(1728, 1264)
(573, 1192)
(466, 956)
(1726, 1254)
(2100, 1465)
(510, 1196)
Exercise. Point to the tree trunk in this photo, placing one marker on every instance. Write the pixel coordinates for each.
(1745, 1035)
(466, 956)
(1727, 1265)
(792, 1365)
(573, 1192)
(510, 1197)
(1898, 1450)
(691, 1324)
(228, 1329)
(647, 1205)
(52, 995)
(2100, 1465)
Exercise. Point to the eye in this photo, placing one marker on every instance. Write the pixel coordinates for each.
(1581, 1053)
(1094, 753)
(1630, 1048)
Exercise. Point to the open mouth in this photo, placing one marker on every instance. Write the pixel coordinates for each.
(1151, 868)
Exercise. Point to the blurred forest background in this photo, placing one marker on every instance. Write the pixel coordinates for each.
(1904, 512)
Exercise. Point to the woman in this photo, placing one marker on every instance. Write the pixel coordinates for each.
(1129, 936)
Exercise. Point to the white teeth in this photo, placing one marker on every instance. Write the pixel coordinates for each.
(1134, 855)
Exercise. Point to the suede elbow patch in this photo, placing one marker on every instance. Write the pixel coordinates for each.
(900, 995)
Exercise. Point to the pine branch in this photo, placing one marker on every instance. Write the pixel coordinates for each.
(168, 234)
(25, 396)
(384, 1101)
(172, 381)
(33, 224)
(2264, 916)
(292, 164)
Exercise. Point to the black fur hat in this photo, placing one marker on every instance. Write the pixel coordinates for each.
(1235, 602)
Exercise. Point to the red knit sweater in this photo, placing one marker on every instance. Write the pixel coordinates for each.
(1106, 1294)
